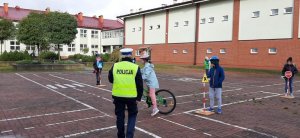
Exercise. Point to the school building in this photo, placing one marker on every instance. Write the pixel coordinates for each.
(95, 33)
(259, 34)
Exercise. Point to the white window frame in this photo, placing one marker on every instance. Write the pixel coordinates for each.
(252, 51)
(274, 12)
(137, 53)
(211, 19)
(202, 21)
(30, 48)
(71, 48)
(16, 45)
(290, 12)
(271, 52)
(95, 34)
(150, 27)
(184, 51)
(158, 26)
(176, 24)
(209, 51)
(223, 51)
(83, 33)
(186, 23)
(256, 14)
(225, 18)
(83, 46)
(140, 28)
(175, 51)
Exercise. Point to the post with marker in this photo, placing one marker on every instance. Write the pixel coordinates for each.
(203, 111)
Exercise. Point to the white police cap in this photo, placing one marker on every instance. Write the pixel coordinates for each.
(126, 51)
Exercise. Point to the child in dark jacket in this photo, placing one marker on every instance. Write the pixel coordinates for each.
(98, 65)
(217, 76)
(289, 66)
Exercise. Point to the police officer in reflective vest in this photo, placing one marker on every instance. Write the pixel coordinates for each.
(127, 90)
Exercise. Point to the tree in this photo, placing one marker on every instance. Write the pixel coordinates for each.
(33, 30)
(7, 30)
(85, 50)
(62, 28)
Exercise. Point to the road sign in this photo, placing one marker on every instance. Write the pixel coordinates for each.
(205, 79)
(288, 74)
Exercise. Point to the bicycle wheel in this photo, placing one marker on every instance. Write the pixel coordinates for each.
(166, 101)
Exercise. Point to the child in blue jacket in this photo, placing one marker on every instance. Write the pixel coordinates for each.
(98, 65)
(217, 76)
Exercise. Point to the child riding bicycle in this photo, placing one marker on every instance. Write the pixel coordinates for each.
(149, 76)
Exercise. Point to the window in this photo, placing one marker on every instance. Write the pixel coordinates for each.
(83, 33)
(274, 12)
(176, 24)
(14, 45)
(175, 51)
(94, 46)
(288, 10)
(150, 27)
(253, 50)
(202, 21)
(272, 50)
(71, 48)
(140, 28)
(211, 20)
(222, 50)
(133, 29)
(137, 53)
(28, 48)
(209, 51)
(94, 34)
(256, 14)
(184, 51)
(225, 18)
(186, 23)
(83, 46)
(158, 27)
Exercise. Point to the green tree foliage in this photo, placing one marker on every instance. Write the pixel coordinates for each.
(7, 30)
(33, 30)
(62, 28)
(115, 56)
(47, 55)
(85, 50)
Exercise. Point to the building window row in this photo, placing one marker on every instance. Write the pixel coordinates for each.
(94, 33)
(273, 12)
(112, 34)
(185, 23)
(252, 51)
(184, 51)
(212, 19)
(137, 29)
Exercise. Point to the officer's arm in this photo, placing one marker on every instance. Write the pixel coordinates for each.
(139, 85)
(110, 75)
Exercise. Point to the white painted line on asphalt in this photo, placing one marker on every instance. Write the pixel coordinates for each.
(207, 134)
(71, 86)
(180, 96)
(107, 99)
(239, 102)
(71, 98)
(86, 132)
(45, 78)
(147, 132)
(176, 123)
(6, 131)
(61, 86)
(40, 115)
(81, 83)
(77, 120)
(29, 128)
(52, 87)
(236, 126)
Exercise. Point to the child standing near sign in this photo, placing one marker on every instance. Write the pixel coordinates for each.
(217, 76)
(289, 67)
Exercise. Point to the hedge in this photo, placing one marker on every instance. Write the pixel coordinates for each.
(15, 56)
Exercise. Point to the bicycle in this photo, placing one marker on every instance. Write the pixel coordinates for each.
(166, 101)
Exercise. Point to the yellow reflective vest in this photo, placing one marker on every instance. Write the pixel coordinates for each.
(124, 85)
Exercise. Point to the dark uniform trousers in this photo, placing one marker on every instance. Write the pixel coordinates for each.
(120, 113)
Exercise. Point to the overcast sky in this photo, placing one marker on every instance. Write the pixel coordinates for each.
(108, 8)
